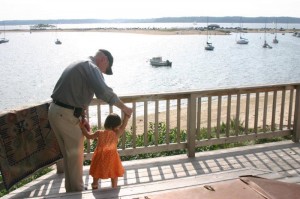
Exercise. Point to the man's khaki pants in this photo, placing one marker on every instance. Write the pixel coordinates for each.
(70, 139)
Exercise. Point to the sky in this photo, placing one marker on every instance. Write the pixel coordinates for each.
(143, 9)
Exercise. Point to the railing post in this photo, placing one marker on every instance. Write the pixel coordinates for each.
(191, 130)
(60, 166)
(296, 133)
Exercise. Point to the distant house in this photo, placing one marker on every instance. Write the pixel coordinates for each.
(213, 26)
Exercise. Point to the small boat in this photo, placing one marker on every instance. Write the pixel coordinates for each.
(266, 45)
(3, 40)
(58, 42)
(209, 46)
(157, 61)
(242, 41)
(275, 40)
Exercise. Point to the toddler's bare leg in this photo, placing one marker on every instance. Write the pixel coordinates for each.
(95, 183)
(114, 182)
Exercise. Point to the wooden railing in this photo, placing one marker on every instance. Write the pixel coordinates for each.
(208, 117)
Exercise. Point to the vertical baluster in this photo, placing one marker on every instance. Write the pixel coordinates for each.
(133, 125)
(178, 119)
(290, 108)
(282, 109)
(123, 135)
(296, 128)
(99, 116)
(111, 109)
(88, 141)
(156, 123)
(199, 119)
(256, 112)
(168, 122)
(237, 119)
(209, 118)
(274, 111)
(228, 115)
(146, 123)
(219, 115)
(247, 113)
(265, 112)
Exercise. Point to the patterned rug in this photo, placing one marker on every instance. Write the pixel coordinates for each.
(27, 143)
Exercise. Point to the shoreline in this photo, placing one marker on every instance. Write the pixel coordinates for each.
(173, 31)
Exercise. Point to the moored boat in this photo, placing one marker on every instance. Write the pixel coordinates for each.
(157, 61)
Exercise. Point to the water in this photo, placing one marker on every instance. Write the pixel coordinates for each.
(30, 64)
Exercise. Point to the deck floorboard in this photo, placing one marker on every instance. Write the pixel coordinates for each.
(278, 160)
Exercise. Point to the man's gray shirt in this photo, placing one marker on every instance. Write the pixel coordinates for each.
(78, 84)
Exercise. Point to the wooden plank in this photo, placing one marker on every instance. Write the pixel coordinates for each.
(228, 115)
(282, 109)
(247, 113)
(296, 128)
(219, 115)
(178, 119)
(199, 118)
(290, 108)
(191, 126)
(99, 116)
(156, 123)
(237, 115)
(145, 123)
(265, 112)
(274, 111)
(133, 124)
(209, 118)
(256, 112)
(167, 121)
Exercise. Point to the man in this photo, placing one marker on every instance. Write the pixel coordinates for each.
(72, 94)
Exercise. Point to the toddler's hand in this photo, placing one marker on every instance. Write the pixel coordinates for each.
(84, 124)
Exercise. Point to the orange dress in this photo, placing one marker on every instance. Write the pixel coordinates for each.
(106, 162)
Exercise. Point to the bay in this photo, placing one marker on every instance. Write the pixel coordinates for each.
(30, 64)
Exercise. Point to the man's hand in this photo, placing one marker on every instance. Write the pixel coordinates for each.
(84, 124)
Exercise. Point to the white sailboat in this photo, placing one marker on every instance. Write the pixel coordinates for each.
(57, 42)
(241, 40)
(275, 40)
(3, 40)
(266, 45)
(209, 45)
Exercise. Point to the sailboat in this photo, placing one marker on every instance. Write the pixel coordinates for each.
(209, 45)
(57, 42)
(3, 40)
(241, 40)
(266, 45)
(275, 40)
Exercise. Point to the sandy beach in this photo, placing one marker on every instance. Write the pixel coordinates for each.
(214, 108)
(175, 31)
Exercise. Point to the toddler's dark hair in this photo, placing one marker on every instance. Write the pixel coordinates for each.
(113, 120)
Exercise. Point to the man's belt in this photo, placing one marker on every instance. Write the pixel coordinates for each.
(77, 110)
(63, 105)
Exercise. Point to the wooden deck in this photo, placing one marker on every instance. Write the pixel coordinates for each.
(145, 178)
